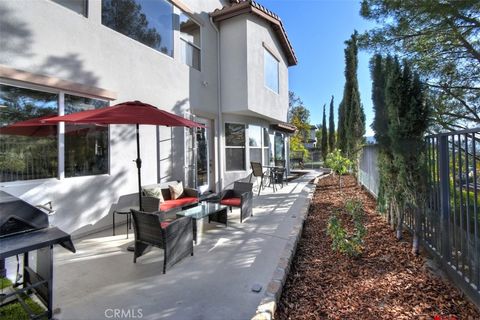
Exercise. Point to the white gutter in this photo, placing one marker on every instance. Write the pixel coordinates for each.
(220, 117)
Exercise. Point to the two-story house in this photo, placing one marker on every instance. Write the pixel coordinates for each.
(221, 63)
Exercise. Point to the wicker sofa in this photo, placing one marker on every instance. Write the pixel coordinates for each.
(189, 198)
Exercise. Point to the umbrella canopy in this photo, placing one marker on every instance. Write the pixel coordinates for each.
(35, 127)
(131, 112)
(38, 127)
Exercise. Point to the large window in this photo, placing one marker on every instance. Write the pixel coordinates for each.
(190, 41)
(29, 147)
(235, 146)
(27, 151)
(79, 6)
(147, 21)
(86, 146)
(255, 143)
(270, 71)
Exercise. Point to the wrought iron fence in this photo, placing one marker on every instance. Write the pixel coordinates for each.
(451, 222)
(450, 225)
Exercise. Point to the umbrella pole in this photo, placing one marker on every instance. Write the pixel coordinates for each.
(139, 167)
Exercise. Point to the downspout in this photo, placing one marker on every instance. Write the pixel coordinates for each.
(220, 117)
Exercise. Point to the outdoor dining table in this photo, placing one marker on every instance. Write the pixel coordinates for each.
(271, 173)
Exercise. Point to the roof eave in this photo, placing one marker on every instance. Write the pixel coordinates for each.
(277, 26)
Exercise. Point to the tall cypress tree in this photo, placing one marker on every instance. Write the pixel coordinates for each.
(341, 130)
(400, 123)
(331, 128)
(353, 120)
(324, 145)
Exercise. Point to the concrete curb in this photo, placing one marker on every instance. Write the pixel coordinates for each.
(268, 305)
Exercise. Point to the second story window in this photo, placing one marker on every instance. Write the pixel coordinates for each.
(190, 41)
(270, 71)
(79, 6)
(147, 21)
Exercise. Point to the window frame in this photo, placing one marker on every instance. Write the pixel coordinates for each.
(174, 26)
(61, 129)
(183, 40)
(85, 8)
(274, 57)
(244, 147)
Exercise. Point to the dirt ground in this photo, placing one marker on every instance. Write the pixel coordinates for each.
(386, 282)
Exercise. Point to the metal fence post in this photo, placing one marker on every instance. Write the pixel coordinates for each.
(444, 175)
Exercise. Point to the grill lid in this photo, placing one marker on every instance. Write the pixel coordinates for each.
(17, 216)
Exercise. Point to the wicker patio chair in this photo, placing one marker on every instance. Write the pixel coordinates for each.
(175, 237)
(241, 196)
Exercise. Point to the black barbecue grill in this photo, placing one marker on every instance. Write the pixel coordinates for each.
(25, 228)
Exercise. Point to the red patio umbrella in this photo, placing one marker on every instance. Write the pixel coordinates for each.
(131, 112)
(35, 127)
(38, 127)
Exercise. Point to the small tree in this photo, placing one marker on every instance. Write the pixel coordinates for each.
(339, 164)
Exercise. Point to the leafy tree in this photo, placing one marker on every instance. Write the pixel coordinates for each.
(339, 164)
(351, 116)
(299, 116)
(324, 143)
(331, 128)
(442, 41)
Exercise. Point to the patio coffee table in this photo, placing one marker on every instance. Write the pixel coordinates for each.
(214, 211)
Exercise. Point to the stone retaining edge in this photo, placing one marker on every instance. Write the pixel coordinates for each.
(268, 305)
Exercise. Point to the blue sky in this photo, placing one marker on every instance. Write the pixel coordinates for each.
(317, 30)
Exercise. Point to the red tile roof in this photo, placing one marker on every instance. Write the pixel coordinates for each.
(238, 7)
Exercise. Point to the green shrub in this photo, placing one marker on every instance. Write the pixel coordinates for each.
(342, 241)
(15, 311)
(5, 283)
(339, 164)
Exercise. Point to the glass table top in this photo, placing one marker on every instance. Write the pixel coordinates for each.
(202, 210)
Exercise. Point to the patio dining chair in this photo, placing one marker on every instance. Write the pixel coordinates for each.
(240, 197)
(257, 171)
(175, 237)
(281, 169)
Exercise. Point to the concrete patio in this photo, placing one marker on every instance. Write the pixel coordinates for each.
(101, 281)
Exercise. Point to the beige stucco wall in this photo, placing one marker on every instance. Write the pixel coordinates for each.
(42, 37)
(260, 98)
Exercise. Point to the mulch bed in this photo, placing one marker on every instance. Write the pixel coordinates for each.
(386, 282)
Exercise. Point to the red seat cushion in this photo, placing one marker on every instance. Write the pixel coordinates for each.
(233, 202)
(164, 224)
(171, 204)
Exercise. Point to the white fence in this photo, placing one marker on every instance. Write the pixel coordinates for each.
(368, 170)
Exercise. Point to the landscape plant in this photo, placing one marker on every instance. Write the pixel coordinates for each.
(350, 244)
(339, 164)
